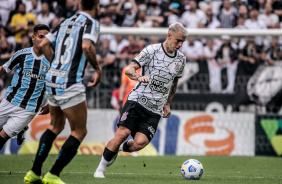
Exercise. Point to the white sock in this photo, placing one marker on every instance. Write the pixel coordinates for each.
(121, 146)
(102, 165)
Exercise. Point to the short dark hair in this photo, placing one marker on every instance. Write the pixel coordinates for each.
(88, 4)
(38, 27)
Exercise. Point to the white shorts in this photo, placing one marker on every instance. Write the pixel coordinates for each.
(13, 119)
(66, 100)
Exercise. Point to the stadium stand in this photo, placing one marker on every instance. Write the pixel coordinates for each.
(251, 53)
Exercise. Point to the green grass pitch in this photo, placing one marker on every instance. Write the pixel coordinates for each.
(151, 170)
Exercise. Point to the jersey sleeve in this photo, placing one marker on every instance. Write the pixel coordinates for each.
(52, 36)
(180, 73)
(143, 57)
(92, 31)
(14, 61)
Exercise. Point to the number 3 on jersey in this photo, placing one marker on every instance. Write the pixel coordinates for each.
(64, 57)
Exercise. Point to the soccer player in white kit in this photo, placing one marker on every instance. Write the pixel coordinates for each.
(162, 64)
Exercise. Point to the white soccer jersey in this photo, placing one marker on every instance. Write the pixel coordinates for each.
(161, 68)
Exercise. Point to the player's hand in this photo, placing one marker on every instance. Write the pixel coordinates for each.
(44, 110)
(96, 78)
(166, 111)
(144, 79)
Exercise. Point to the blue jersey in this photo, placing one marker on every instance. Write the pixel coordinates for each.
(69, 61)
(28, 84)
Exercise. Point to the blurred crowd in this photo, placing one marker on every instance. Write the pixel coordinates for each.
(237, 55)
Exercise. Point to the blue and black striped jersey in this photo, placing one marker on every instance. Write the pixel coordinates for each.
(28, 84)
(69, 61)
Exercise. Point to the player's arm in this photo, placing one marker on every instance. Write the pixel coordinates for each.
(133, 75)
(170, 97)
(46, 48)
(90, 54)
(2, 70)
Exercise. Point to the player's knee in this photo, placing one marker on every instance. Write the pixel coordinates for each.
(57, 128)
(138, 145)
(79, 134)
(120, 138)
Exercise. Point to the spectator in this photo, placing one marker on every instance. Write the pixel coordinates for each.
(106, 3)
(5, 33)
(277, 7)
(227, 15)
(155, 12)
(30, 27)
(193, 51)
(243, 12)
(118, 43)
(254, 23)
(5, 8)
(172, 11)
(19, 22)
(45, 17)
(237, 3)
(273, 52)
(270, 19)
(130, 11)
(249, 58)
(210, 51)
(260, 6)
(32, 6)
(212, 21)
(240, 23)
(106, 21)
(67, 10)
(25, 42)
(227, 57)
(112, 11)
(193, 17)
(141, 20)
(104, 55)
(125, 55)
(6, 51)
(13, 12)
(153, 40)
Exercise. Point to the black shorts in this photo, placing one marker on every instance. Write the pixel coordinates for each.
(137, 118)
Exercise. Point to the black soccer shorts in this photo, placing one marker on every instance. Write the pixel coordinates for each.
(137, 118)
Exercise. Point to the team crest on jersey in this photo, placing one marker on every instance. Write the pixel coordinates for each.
(177, 67)
(124, 116)
(45, 68)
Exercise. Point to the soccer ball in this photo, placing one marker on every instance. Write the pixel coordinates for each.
(192, 169)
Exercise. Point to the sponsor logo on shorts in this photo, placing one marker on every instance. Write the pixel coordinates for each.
(54, 85)
(152, 130)
(124, 116)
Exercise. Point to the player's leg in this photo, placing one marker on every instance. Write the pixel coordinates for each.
(144, 133)
(76, 116)
(111, 150)
(139, 142)
(127, 122)
(6, 109)
(3, 138)
(46, 141)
